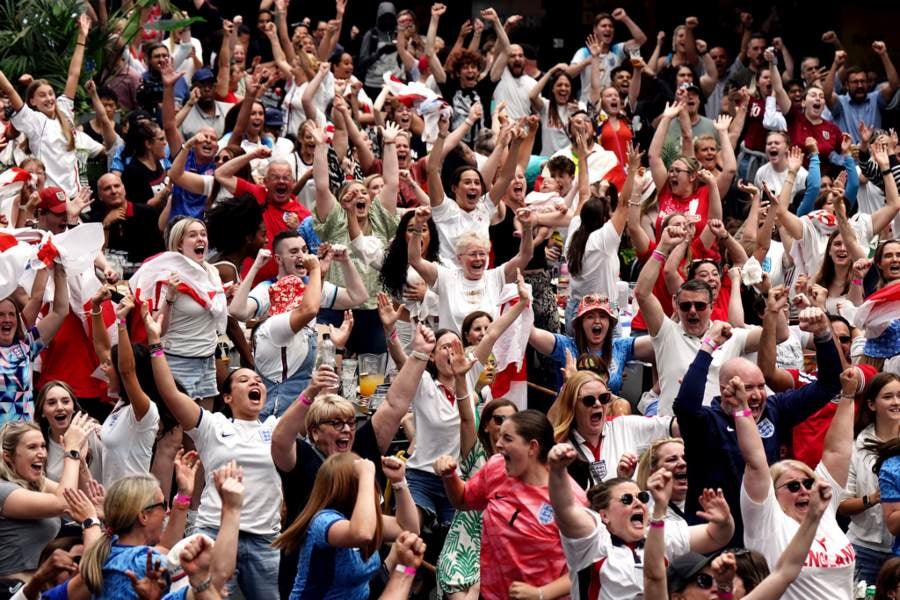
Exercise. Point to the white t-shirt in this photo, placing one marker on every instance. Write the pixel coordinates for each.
(866, 528)
(631, 433)
(775, 179)
(827, 573)
(47, 143)
(554, 138)
(196, 119)
(437, 425)
(452, 222)
(809, 251)
(127, 442)
(220, 440)
(514, 91)
(459, 296)
(622, 572)
(600, 262)
(610, 61)
(675, 351)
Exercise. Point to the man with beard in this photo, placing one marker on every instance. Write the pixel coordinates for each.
(514, 85)
(676, 343)
(611, 55)
(859, 105)
(127, 227)
(690, 94)
(206, 111)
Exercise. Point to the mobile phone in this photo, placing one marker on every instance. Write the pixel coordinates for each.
(116, 296)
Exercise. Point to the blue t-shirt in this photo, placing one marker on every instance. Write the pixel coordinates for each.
(622, 351)
(116, 585)
(889, 486)
(326, 572)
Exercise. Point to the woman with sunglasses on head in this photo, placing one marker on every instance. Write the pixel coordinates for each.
(579, 416)
(604, 542)
(520, 551)
(775, 501)
(878, 421)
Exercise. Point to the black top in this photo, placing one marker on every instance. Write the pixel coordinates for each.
(137, 234)
(141, 184)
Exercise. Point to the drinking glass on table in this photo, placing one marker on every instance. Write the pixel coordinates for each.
(371, 373)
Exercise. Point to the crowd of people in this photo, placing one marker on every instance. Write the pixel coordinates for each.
(322, 309)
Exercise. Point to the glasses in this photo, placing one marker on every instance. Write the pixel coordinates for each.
(698, 305)
(793, 485)
(498, 419)
(339, 424)
(604, 398)
(223, 158)
(163, 505)
(845, 339)
(594, 300)
(628, 499)
(704, 581)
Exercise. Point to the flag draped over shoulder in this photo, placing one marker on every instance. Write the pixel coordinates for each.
(511, 379)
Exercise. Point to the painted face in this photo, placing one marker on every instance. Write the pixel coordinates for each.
(356, 197)
(375, 186)
(195, 243)
(590, 420)
(795, 504)
(44, 100)
(58, 409)
(562, 88)
(289, 256)
(709, 273)
(468, 190)
(474, 261)
(248, 395)
(495, 422)
(8, 322)
(477, 330)
(887, 404)
(30, 457)
(279, 182)
(628, 521)
(517, 452)
(693, 309)
(671, 457)
(610, 101)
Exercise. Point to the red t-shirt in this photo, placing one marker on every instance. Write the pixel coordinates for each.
(70, 357)
(616, 141)
(754, 133)
(406, 196)
(826, 134)
(808, 437)
(519, 536)
(696, 203)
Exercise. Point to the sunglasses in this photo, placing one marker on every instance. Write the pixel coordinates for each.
(339, 424)
(163, 505)
(845, 339)
(793, 485)
(596, 301)
(704, 581)
(223, 158)
(604, 398)
(628, 499)
(498, 419)
(699, 305)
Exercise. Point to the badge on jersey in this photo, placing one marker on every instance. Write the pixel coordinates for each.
(545, 514)
(598, 470)
(766, 428)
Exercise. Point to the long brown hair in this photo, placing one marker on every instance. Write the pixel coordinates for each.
(64, 123)
(828, 271)
(336, 487)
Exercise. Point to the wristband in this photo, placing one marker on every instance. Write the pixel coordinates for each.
(96, 313)
(856, 282)
(419, 355)
(411, 571)
(400, 485)
(633, 203)
(183, 498)
(886, 173)
(157, 353)
(723, 595)
(394, 336)
(304, 400)
(202, 586)
(657, 523)
(709, 342)
(659, 256)
(745, 412)
(123, 322)
(155, 348)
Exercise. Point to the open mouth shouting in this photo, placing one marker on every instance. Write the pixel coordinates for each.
(637, 519)
(37, 468)
(7, 330)
(254, 395)
(343, 443)
(200, 251)
(61, 419)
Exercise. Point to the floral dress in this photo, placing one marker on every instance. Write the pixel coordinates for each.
(458, 566)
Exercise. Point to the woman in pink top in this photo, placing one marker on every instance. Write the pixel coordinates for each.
(521, 555)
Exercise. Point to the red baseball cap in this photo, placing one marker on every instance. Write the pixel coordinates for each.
(53, 199)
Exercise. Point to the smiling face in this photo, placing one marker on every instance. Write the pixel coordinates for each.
(477, 330)
(58, 409)
(156, 145)
(517, 187)
(622, 81)
(257, 118)
(44, 100)
(590, 420)
(289, 256)
(374, 187)
(30, 456)
(794, 504)
(671, 457)
(705, 152)
(8, 322)
(424, 237)
(468, 190)
(709, 273)
(887, 405)
(838, 253)
(194, 243)
(628, 522)
(154, 518)
(694, 320)
(247, 396)
(681, 178)
(344, 68)
(468, 75)
(474, 260)
(517, 452)
(357, 200)
(604, 30)
(562, 89)
(279, 182)
(889, 264)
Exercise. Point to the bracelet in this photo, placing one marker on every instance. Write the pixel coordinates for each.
(79, 43)
(304, 400)
(657, 523)
(183, 498)
(96, 313)
(745, 412)
(411, 571)
(202, 586)
(419, 355)
(659, 256)
(400, 485)
(709, 342)
(155, 347)
(856, 281)
(886, 173)
(123, 322)
(633, 203)
(157, 353)
(386, 143)
(394, 336)
(464, 397)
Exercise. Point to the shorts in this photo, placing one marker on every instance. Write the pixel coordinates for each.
(196, 374)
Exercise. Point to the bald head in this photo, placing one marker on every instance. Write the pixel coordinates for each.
(740, 367)
(516, 60)
(110, 190)
(754, 383)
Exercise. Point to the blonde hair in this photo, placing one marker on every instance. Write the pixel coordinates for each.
(179, 231)
(124, 502)
(65, 124)
(469, 239)
(10, 436)
(326, 407)
(782, 466)
(562, 412)
(649, 461)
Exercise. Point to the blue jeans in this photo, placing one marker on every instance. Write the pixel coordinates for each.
(429, 494)
(279, 396)
(868, 563)
(256, 569)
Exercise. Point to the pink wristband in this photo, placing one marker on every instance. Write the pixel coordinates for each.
(183, 498)
(659, 256)
(657, 523)
(304, 400)
(411, 571)
(746, 412)
(157, 353)
(123, 322)
(709, 342)
(856, 281)
(394, 335)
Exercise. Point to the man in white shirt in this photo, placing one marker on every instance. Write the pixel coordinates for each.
(206, 111)
(514, 85)
(611, 55)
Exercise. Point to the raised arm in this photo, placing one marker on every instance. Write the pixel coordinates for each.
(424, 267)
(839, 437)
(501, 48)
(573, 520)
(139, 400)
(390, 167)
(74, 73)
(226, 174)
(637, 35)
(657, 166)
(437, 69)
(757, 480)
(107, 128)
(484, 348)
(777, 379)
(537, 102)
(660, 486)
(782, 100)
(436, 163)
(893, 79)
(710, 76)
(526, 246)
(359, 530)
(325, 200)
(788, 220)
(885, 214)
(59, 309)
(309, 107)
(508, 171)
(840, 57)
(652, 310)
(223, 59)
(183, 408)
(192, 182)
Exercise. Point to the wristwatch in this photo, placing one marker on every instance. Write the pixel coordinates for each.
(73, 454)
(91, 522)
(866, 503)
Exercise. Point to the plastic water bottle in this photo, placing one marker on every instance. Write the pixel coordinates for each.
(326, 351)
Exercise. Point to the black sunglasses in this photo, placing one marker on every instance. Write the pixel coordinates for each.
(704, 581)
(163, 505)
(845, 339)
(699, 306)
(793, 485)
(498, 419)
(604, 398)
(627, 499)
